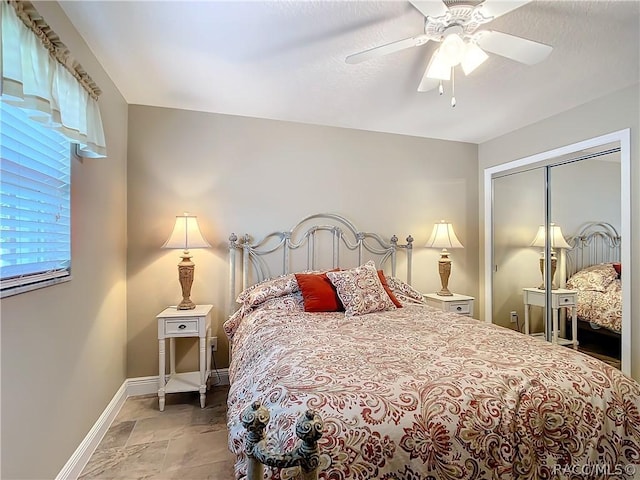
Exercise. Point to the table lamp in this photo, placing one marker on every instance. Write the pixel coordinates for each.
(186, 235)
(444, 237)
(557, 241)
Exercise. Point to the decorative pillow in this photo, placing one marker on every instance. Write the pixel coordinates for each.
(318, 293)
(387, 289)
(399, 287)
(618, 268)
(596, 278)
(267, 289)
(360, 290)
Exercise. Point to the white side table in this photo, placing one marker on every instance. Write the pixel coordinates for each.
(560, 298)
(172, 324)
(462, 304)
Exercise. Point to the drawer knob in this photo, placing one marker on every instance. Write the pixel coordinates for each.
(182, 326)
(459, 308)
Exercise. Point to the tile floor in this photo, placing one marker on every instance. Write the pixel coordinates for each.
(184, 442)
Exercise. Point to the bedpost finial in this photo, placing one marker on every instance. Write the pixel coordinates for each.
(409, 241)
(394, 240)
(233, 238)
(255, 419)
(309, 427)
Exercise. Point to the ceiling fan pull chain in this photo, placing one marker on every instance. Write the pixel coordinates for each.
(453, 87)
(440, 88)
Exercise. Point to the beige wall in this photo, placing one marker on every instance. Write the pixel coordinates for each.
(64, 347)
(248, 175)
(613, 112)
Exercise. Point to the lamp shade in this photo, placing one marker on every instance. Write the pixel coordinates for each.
(186, 234)
(557, 239)
(443, 236)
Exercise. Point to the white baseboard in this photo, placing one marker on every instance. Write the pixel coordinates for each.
(131, 387)
(74, 466)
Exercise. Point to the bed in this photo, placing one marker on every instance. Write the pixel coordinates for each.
(408, 392)
(594, 271)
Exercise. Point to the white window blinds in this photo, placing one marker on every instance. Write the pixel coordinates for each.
(35, 222)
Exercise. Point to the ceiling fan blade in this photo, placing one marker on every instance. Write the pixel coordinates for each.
(497, 8)
(516, 48)
(387, 49)
(430, 8)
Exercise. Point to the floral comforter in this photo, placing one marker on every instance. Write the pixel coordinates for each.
(417, 394)
(604, 309)
(599, 296)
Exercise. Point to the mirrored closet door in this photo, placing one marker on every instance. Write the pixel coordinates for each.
(584, 200)
(560, 220)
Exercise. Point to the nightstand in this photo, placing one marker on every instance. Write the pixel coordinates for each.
(560, 298)
(172, 324)
(456, 303)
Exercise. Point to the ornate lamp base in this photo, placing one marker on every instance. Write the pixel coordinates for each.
(185, 276)
(554, 264)
(444, 269)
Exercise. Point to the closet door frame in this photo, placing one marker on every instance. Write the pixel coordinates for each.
(549, 158)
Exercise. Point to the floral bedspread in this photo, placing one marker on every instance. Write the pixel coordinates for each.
(417, 394)
(599, 295)
(602, 308)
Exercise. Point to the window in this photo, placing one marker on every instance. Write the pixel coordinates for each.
(35, 216)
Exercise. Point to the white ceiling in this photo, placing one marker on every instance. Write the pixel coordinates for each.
(284, 60)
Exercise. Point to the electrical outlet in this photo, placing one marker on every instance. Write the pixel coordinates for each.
(213, 341)
(514, 317)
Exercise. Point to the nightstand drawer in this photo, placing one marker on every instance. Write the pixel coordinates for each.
(184, 326)
(566, 300)
(463, 308)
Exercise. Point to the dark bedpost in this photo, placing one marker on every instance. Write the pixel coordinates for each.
(254, 418)
(306, 454)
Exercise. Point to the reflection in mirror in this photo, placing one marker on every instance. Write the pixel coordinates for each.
(584, 187)
(584, 198)
(518, 210)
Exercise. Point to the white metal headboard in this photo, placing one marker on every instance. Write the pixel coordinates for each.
(307, 233)
(595, 242)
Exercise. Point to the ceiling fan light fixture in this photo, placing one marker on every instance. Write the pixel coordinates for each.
(473, 57)
(453, 49)
(438, 67)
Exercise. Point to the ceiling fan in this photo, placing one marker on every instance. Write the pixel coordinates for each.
(455, 25)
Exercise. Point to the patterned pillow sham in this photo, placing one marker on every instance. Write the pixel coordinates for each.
(403, 289)
(267, 289)
(596, 278)
(360, 290)
(292, 302)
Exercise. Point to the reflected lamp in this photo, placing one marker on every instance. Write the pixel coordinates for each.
(557, 242)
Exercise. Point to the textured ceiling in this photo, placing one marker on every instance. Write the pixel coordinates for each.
(284, 60)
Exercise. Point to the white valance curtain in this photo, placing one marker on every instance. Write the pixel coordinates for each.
(40, 77)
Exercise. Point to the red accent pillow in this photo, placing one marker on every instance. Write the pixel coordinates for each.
(318, 293)
(618, 268)
(387, 289)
